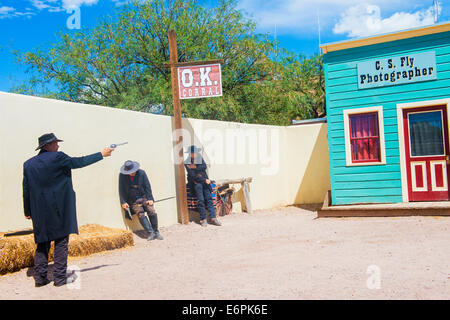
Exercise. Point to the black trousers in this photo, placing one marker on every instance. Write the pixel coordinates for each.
(59, 259)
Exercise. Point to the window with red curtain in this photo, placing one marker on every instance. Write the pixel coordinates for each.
(364, 137)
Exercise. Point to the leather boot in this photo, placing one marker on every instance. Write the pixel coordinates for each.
(154, 222)
(146, 224)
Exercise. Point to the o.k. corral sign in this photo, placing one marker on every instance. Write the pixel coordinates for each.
(202, 81)
(409, 68)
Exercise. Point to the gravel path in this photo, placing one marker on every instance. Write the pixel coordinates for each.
(283, 253)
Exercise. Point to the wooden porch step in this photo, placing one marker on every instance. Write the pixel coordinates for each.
(438, 208)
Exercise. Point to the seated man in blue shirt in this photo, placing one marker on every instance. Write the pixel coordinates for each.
(199, 182)
(135, 192)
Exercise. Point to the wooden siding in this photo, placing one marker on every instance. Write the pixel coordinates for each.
(376, 183)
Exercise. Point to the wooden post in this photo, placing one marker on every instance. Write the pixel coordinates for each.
(180, 176)
(248, 203)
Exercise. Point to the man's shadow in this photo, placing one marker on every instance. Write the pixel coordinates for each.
(194, 216)
(141, 234)
(51, 268)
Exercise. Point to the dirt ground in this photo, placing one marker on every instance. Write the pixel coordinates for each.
(283, 253)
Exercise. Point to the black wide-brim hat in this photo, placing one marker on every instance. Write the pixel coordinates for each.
(129, 167)
(46, 139)
(193, 149)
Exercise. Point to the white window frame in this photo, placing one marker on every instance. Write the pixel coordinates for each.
(348, 148)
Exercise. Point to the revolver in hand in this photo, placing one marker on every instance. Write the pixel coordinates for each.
(115, 145)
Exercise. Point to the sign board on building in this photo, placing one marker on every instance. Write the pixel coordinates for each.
(408, 68)
(203, 81)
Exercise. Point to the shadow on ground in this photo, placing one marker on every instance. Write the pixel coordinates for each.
(309, 207)
(141, 234)
(51, 267)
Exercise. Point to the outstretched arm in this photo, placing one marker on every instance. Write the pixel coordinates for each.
(80, 162)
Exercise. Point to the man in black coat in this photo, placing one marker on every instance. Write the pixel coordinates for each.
(49, 201)
(135, 191)
(199, 182)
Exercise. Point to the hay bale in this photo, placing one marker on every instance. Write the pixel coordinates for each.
(18, 252)
(95, 238)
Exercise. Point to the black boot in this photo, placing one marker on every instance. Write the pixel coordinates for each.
(154, 222)
(146, 224)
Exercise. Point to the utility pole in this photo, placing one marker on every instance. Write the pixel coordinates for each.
(436, 11)
(180, 175)
(318, 26)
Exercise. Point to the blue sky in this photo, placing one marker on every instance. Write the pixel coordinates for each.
(27, 24)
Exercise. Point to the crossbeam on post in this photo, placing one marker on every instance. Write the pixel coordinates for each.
(192, 63)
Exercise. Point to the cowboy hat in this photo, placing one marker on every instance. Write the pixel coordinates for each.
(193, 149)
(46, 139)
(129, 167)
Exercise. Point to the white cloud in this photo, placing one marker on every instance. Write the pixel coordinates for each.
(38, 4)
(77, 3)
(44, 5)
(9, 12)
(121, 2)
(60, 5)
(6, 10)
(365, 20)
(300, 16)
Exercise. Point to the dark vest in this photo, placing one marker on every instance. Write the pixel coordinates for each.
(135, 191)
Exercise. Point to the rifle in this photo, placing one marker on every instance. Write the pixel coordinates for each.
(128, 212)
(155, 201)
(18, 233)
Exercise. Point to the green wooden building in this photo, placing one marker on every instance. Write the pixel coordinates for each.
(387, 111)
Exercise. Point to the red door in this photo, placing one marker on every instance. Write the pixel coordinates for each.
(427, 152)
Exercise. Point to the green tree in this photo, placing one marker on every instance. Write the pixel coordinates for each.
(304, 84)
(121, 63)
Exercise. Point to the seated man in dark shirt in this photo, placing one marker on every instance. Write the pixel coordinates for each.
(135, 192)
(199, 182)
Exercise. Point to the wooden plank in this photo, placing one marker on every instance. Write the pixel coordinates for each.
(336, 115)
(339, 82)
(389, 153)
(440, 59)
(233, 181)
(390, 125)
(367, 169)
(441, 50)
(375, 100)
(444, 67)
(370, 190)
(374, 177)
(342, 73)
(393, 90)
(327, 200)
(248, 203)
(338, 145)
(390, 133)
(343, 163)
(385, 212)
(339, 200)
